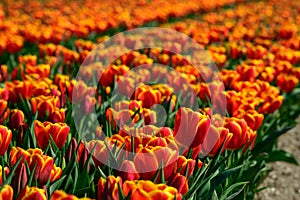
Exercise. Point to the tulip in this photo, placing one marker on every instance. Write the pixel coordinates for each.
(58, 131)
(6, 172)
(184, 164)
(3, 71)
(29, 193)
(108, 189)
(286, 82)
(148, 190)
(100, 154)
(190, 127)
(148, 96)
(20, 180)
(127, 171)
(5, 138)
(44, 105)
(215, 139)
(16, 118)
(57, 115)
(238, 128)
(150, 159)
(4, 93)
(44, 165)
(61, 195)
(4, 111)
(180, 183)
(252, 117)
(6, 193)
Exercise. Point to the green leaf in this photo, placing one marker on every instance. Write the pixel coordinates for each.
(220, 178)
(281, 155)
(231, 188)
(55, 185)
(12, 172)
(269, 139)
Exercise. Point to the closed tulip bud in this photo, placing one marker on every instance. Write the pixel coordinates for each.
(58, 131)
(6, 171)
(71, 149)
(3, 72)
(4, 111)
(20, 180)
(6, 193)
(5, 138)
(29, 193)
(272, 105)
(16, 118)
(190, 127)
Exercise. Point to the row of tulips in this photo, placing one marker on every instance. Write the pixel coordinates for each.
(43, 22)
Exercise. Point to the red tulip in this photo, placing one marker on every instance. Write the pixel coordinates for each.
(108, 188)
(16, 118)
(190, 128)
(180, 183)
(127, 171)
(29, 193)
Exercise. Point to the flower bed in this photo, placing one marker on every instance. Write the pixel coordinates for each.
(196, 116)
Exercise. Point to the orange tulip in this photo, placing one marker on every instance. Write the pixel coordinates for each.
(241, 134)
(29, 193)
(147, 190)
(44, 105)
(5, 138)
(148, 96)
(252, 117)
(58, 131)
(61, 195)
(286, 82)
(6, 193)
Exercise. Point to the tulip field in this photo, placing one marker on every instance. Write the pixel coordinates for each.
(156, 100)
